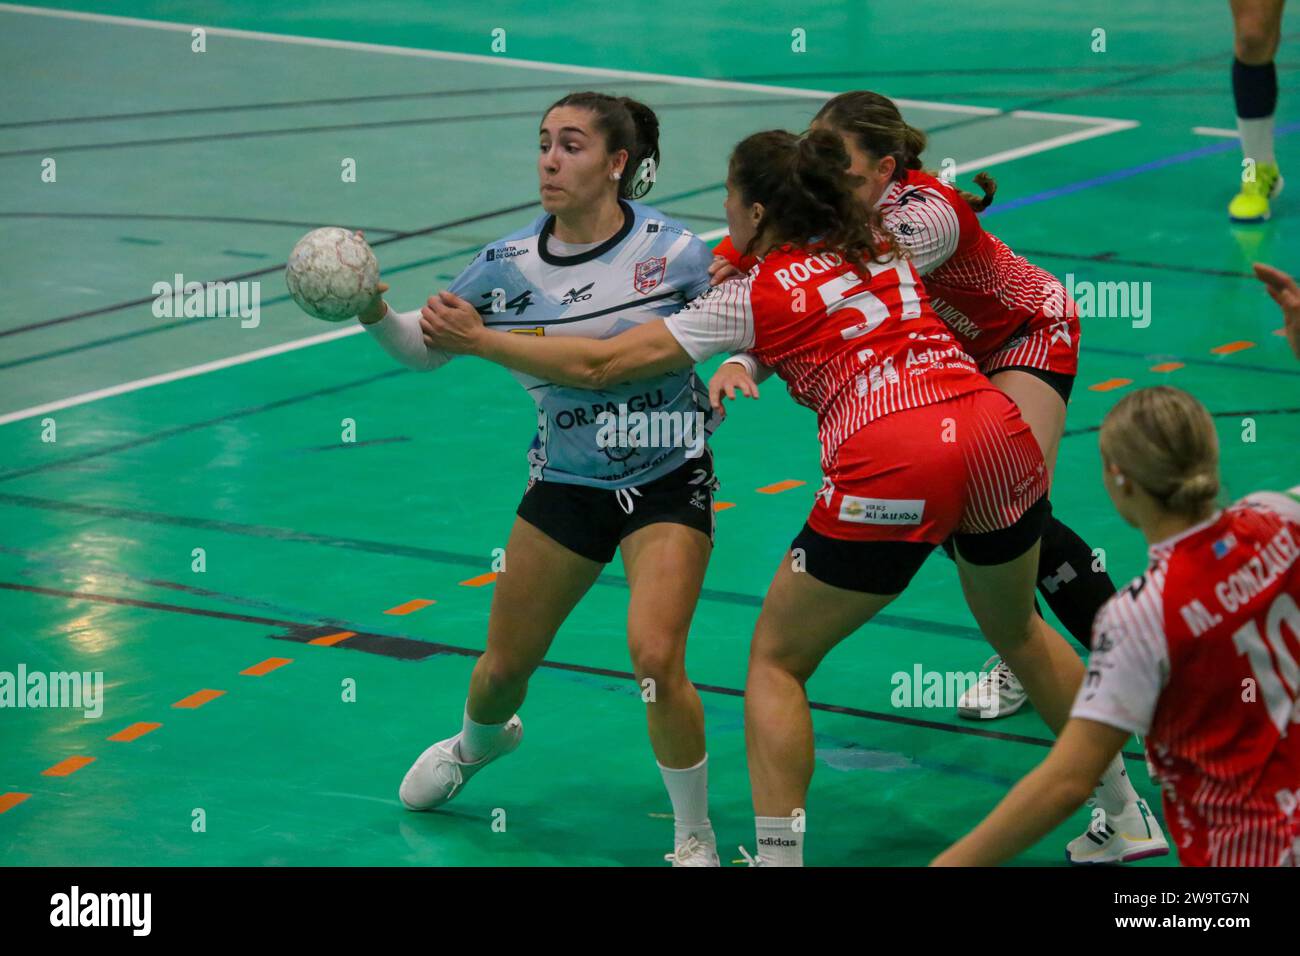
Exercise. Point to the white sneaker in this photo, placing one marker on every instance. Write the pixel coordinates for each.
(439, 773)
(756, 860)
(694, 852)
(999, 693)
(1131, 835)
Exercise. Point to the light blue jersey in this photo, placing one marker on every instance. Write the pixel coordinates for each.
(630, 433)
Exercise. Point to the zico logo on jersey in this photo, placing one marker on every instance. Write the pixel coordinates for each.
(649, 273)
(577, 295)
(881, 510)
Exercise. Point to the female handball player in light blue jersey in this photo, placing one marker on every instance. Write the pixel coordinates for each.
(624, 468)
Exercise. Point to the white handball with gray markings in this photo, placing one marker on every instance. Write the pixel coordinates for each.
(332, 274)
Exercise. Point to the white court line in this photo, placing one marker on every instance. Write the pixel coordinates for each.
(1215, 131)
(1100, 126)
(522, 64)
(189, 372)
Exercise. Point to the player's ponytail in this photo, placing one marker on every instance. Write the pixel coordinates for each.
(807, 193)
(643, 161)
(626, 124)
(878, 128)
(1163, 440)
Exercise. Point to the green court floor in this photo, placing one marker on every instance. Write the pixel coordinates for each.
(174, 434)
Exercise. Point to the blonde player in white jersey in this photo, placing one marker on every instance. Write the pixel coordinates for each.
(1198, 655)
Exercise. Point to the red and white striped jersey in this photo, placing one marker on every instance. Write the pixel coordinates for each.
(983, 291)
(1200, 655)
(851, 346)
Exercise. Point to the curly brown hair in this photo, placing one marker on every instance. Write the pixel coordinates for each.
(807, 194)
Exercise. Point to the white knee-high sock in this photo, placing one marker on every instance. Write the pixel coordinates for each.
(688, 789)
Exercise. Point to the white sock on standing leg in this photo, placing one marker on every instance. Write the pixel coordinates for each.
(779, 842)
(688, 789)
(476, 740)
(1115, 792)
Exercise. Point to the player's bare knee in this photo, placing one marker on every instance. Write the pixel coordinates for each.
(1256, 43)
(661, 660)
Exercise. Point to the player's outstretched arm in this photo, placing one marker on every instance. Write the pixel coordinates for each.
(399, 334)
(1285, 293)
(1043, 799)
(452, 324)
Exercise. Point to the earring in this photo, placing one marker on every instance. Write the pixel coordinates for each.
(1119, 480)
(615, 175)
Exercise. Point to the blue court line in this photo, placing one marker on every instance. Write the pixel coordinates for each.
(1121, 174)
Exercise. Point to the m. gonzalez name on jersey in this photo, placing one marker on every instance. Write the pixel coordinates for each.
(647, 270)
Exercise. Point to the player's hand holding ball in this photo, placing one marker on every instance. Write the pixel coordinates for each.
(451, 324)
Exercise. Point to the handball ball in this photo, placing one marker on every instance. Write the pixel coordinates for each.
(332, 274)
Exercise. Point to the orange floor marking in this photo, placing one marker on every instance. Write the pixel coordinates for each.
(410, 606)
(198, 699)
(329, 640)
(723, 505)
(268, 665)
(69, 766)
(134, 732)
(10, 800)
(1228, 348)
(481, 580)
(780, 486)
(1110, 383)
(1167, 367)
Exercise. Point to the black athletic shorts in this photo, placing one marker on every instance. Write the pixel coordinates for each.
(886, 567)
(592, 521)
(1059, 382)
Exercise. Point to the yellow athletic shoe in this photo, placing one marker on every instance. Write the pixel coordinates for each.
(1251, 204)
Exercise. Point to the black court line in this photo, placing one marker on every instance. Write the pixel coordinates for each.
(401, 648)
(1170, 356)
(325, 101)
(153, 216)
(771, 100)
(433, 555)
(360, 444)
(960, 71)
(42, 563)
(1091, 429)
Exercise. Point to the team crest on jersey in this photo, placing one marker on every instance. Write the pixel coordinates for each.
(649, 273)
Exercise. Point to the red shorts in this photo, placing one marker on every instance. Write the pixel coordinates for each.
(1049, 343)
(968, 465)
